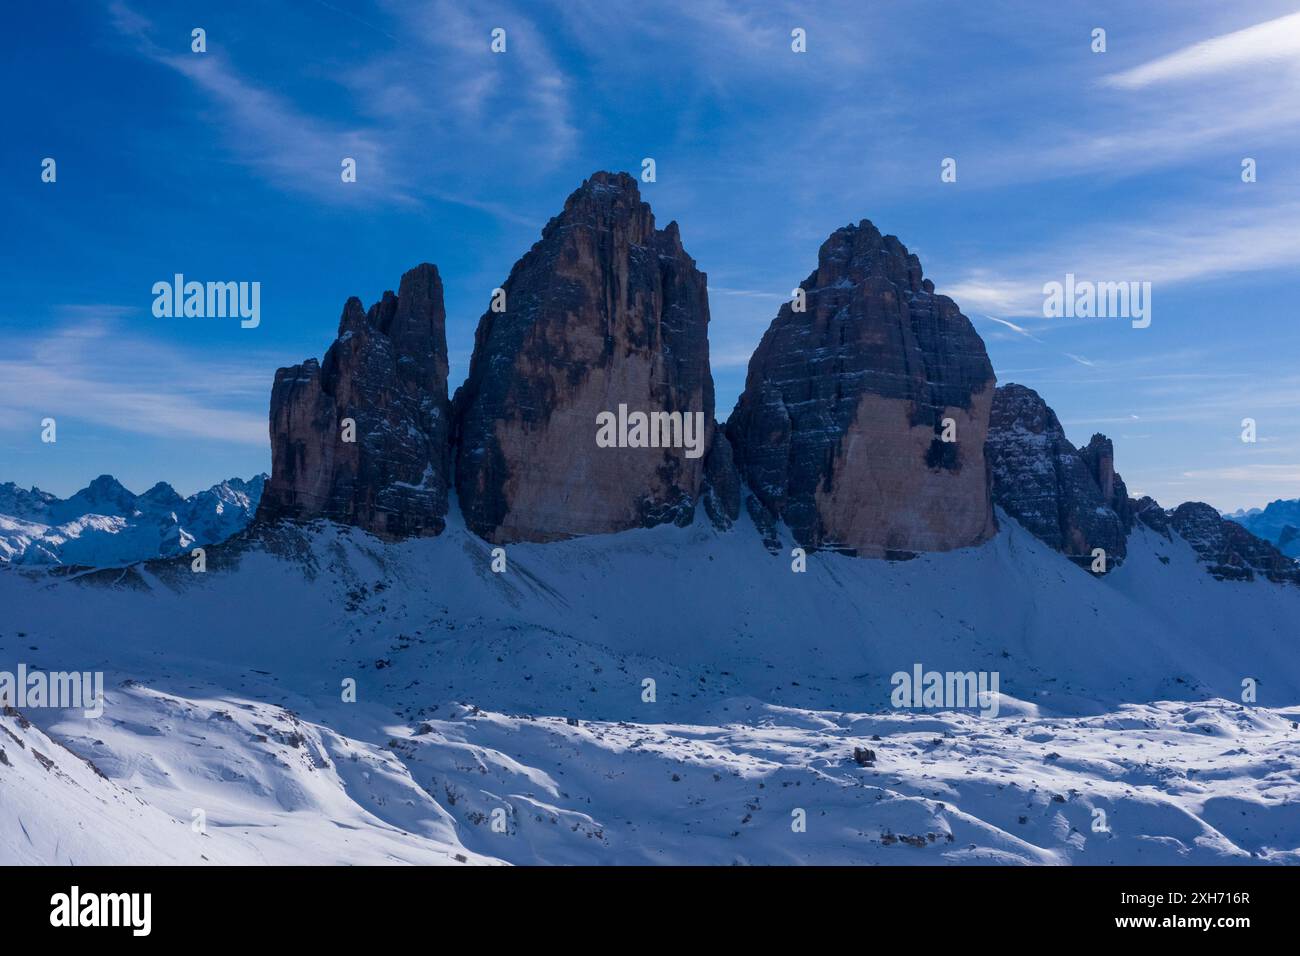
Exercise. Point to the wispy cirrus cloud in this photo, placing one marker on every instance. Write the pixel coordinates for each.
(448, 85)
(1275, 41)
(1025, 333)
(1273, 475)
(1188, 246)
(93, 368)
(1083, 121)
(446, 88)
(266, 130)
(748, 293)
(1235, 88)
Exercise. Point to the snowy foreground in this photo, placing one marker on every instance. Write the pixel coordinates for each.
(514, 702)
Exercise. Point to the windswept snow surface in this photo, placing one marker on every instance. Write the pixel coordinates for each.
(500, 717)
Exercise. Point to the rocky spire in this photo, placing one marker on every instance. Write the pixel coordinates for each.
(1099, 456)
(841, 428)
(386, 375)
(1070, 498)
(604, 315)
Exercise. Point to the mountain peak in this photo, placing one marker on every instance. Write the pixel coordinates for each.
(605, 202)
(865, 408)
(607, 182)
(105, 495)
(361, 437)
(106, 485)
(1069, 498)
(854, 254)
(604, 312)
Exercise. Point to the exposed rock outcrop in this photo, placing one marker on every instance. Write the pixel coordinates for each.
(386, 373)
(1073, 499)
(1147, 511)
(1099, 456)
(840, 429)
(722, 483)
(604, 311)
(1070, 498)
(1228, 550)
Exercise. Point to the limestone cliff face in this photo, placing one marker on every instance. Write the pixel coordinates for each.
(1070, 498)
(840, 429)
(604, 311)
(1099, 457)
(386, 373)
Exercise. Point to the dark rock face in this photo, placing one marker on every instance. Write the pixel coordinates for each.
(105, 496)
(839, 429)
(1229, 551)
(1099, 456)
(722, 483)
(163, 495)
(604, 310)
(1070, 498)
(1288, 540)
(387, 372)
(1148, 511)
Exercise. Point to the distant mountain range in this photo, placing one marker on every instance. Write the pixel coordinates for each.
(105, 525)
(1277, 523)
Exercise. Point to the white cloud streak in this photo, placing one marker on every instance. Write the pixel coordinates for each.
(1191, 246)
(94, 370)
(1274, 41)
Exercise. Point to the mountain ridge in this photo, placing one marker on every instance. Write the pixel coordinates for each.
(105, 524)
(1278, 523)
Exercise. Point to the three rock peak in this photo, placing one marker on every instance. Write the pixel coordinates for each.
(862, 426)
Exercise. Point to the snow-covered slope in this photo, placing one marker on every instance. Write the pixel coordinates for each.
(105, 525)
(504, 716)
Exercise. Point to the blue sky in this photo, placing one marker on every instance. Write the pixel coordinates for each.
(1115, 166)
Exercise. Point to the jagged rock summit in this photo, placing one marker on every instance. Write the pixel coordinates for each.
(1070, 498)
(362, 437)
(1074, 500)
(606, 314)
(841, 429)
(1228, 551)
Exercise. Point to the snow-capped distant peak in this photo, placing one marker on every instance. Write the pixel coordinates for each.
(106, 525)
